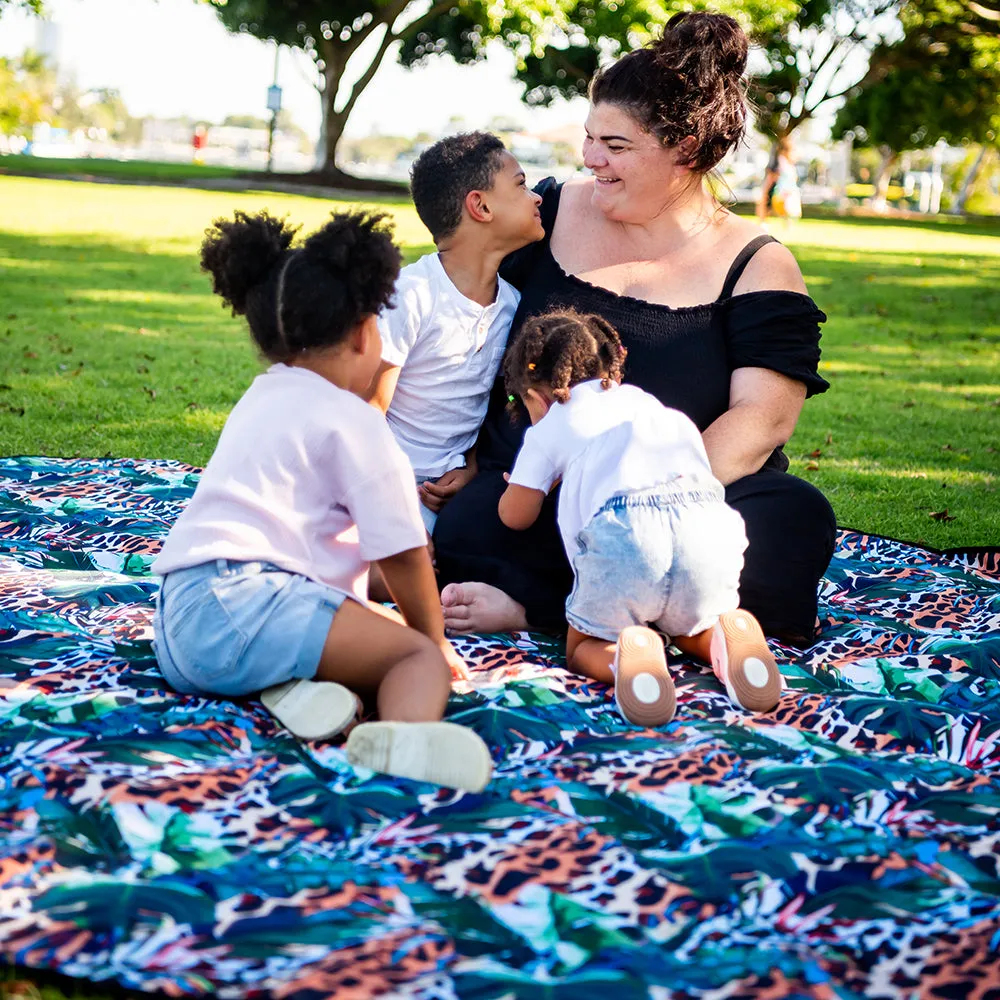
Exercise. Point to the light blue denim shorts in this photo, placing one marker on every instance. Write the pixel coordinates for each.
(428, 516)
(666, 556)
(234, 628)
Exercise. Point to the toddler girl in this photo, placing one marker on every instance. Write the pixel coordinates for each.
(265, 572)
(644, 522)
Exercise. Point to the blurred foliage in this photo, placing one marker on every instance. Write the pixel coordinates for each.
(558, 58)
(815, 58)
(27, 93)
(941, 80)
(35, 6)
(332, 34)
(557, 44)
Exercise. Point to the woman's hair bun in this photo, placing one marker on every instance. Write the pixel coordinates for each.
(716, 41)
(241, 254)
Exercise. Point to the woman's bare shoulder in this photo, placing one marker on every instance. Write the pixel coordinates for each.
(772, 268)
(576, 217)
(578, 183)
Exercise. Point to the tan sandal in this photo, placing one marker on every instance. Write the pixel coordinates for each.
(644, 689)
(311, 710)
(441, 753)
(742, 661)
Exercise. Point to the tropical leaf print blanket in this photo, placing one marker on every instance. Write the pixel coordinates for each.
(845, 845)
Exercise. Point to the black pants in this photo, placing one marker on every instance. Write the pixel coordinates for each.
(790, 528)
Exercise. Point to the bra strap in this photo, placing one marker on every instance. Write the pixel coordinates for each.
(740, 264)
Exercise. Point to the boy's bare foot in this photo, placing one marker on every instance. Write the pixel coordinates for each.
(644, 689)
(742, 661)
(441, 753)
(478, 607)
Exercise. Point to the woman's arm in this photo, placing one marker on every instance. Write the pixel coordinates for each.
(764, 406)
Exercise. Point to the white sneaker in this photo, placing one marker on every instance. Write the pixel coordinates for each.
(441, 753)
(644, 689)
(311, 710)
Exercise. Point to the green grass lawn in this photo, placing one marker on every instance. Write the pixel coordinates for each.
(111, 343)
(145, 170)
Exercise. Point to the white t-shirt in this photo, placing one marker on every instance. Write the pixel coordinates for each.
(306, 476)
(449, 350)
(603, 442)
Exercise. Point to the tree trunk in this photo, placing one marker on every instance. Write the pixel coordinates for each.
(335, 59)
(967, 182)
(332, 128)
(889, 160)
(333, 132)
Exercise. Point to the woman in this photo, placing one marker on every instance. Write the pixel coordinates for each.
(780, 190)
(715, 317)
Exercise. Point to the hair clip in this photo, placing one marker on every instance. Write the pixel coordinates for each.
(531, 367)
(510, 398)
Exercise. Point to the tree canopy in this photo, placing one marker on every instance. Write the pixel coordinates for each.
(28, 93)
(939, 81)
(557, 44)
(558, 57)
(817, 58)
(35, 6)
(333, 35)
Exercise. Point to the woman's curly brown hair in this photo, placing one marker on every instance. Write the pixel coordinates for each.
(306, 297)
(560, 349)
(687, 83)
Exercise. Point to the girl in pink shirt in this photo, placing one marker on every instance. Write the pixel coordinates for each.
(265, 574)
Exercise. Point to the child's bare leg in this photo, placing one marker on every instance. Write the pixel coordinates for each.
(368, 652)
(740, 658)
(635, 664)
(698, 645)
(589, 656)
(377, 589)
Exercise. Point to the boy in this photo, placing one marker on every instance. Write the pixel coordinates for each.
(443, 343)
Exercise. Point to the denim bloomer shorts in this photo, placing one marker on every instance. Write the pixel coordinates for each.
(670, 555)
(233, 628)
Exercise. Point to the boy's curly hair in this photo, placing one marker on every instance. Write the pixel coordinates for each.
(443, 174)
(310, 296)
(561, 349)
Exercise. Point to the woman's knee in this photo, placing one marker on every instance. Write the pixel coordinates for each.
(777, 505)
(791, 531)
(468, 522)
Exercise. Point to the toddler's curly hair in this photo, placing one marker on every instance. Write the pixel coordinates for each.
(560, 349)
(300, 298)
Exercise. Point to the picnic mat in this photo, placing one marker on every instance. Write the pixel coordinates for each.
(845, 845)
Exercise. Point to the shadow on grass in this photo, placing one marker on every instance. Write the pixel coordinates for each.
(108, 348)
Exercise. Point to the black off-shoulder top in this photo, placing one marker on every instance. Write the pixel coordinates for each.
(683, 356)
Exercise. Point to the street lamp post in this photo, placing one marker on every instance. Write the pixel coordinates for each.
(274, 106)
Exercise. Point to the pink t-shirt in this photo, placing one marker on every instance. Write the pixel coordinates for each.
(306, 476)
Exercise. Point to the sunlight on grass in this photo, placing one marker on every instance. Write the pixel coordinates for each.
(126, 295)
(954, 477)
(166, 219)
(888, 236)
(111, 342)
